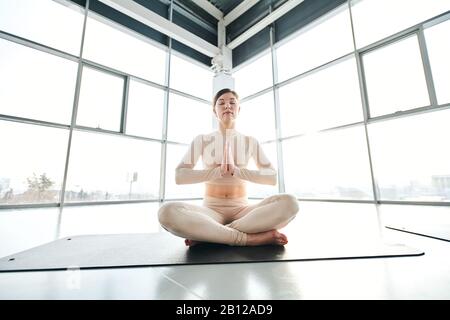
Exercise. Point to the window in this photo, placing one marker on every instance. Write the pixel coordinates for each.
(439, 53)
(145, 110)
(36, 85)
(188, 118)
(332, 164)
(110, 219)
(377, 19)
(190, 78)
(58, 24)
(21, 229)
(254, 77)
(328, 38)
(324, 99)
(411, 158)
(32, 163)
(104, 167)
(101, 98)
(395, 78)
(119, 48)
(259, 190)
(175, 153)
(257, 118)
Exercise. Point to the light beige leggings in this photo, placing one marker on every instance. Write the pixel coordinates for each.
(227, 221)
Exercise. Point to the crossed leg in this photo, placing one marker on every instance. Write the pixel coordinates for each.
(255, 225)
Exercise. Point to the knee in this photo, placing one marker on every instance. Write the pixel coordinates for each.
(289, 204)
(167, 214)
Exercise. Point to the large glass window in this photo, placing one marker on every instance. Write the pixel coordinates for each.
(175, 153)
(21, 229)
(332, 164)
(116, 47)
(439, 53)
(376, 19)
(254, 77)
(324, 99)
(395, 78)
(411, 158)
(35, 85)
(101, 99)
(328, 38)
(260, 190)
(188, 118)
(104, 167)
(190, 78)
(145, 110)
(110, 219)
(58, 24)
(31, 163)
(257, 117)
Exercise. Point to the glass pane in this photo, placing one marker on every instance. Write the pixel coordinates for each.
(110, 219)
(104, 167)
(145, 110)
(377, 19)
(174, 155)
(439, 52)
(410, 157)
(339, 102)
(190, 78)
(332, 164)
(101, 98)
(57, 24)
(395, 78)
(254, 77)
(188, 118)
(32, 163)
(260, 190)
(257, 118)
(22, 229)
(122, 49)
(36, 85)
(328, 38)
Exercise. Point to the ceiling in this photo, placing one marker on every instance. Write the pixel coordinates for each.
(195, 17)
(225, 5)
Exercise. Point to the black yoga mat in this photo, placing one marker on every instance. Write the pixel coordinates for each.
(162, 249)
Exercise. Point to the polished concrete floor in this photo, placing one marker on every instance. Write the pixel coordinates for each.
(423, 277)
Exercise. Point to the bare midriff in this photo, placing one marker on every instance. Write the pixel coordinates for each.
(225, 192)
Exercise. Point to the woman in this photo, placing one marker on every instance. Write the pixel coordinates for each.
(226, 216)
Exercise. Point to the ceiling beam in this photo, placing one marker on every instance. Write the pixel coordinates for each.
(285, 8)
(170, 29)
(239, 10)
(210, 8)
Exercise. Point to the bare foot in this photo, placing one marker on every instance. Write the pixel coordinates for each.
(191, 243)
(268, 237)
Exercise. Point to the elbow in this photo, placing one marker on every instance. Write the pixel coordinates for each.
(274, 180)
(178, 177)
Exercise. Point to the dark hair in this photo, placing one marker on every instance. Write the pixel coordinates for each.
(223, 91)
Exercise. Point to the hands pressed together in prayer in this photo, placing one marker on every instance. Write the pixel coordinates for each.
(227, 167)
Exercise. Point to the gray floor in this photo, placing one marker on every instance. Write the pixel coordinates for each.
(424, 277)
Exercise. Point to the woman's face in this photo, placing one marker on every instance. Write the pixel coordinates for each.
(227, 107)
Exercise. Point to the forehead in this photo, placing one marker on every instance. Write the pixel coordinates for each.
(227, 96)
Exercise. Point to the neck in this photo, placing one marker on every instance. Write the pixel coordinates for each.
(223, 127)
